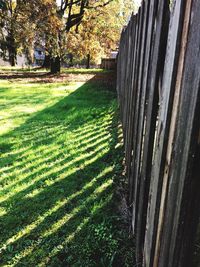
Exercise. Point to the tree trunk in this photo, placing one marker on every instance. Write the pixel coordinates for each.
(29, 54)
(12, 60)
(47, 62)
(88, 61)
(11, 46)
(71, 60)
(55, 65)
(12, 54)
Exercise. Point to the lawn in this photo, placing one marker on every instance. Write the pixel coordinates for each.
(60, 160)
(63, 70)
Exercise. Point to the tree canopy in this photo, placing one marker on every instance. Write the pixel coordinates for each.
(80, 27)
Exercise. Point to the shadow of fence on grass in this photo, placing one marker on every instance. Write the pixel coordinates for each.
(58, 180)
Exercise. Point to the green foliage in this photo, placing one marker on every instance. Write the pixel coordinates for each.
(80, 27)
(63, 70)
(59, 159)
(99, 32)
(23, 25)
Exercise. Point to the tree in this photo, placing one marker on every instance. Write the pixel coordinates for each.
(98, 22)
(26, 23)
(49, 32)
(72, 12)
(99, 32)
(23, 23)
(8, 17)
(17, 30)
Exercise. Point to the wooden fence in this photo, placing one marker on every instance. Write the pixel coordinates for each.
(109, 63)
(158, 88)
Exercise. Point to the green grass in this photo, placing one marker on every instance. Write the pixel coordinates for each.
(59, 163)
(20, 69)
(63, 70)
(84, 71)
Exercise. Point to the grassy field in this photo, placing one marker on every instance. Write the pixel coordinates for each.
(60, 159)
(63, 70)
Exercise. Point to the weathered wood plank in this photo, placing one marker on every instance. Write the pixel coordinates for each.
(150, 21)
(129, 49)
(172, 125)
(162, 151)
(128, 144)
(158, 44)
(183, 181)
(138, 138)
(167, 92)
(134, 89)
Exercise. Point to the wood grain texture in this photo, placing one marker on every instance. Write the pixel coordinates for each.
(158, 87)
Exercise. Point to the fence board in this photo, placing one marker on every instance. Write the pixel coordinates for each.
(131, 99)
(183, 190)
(134, 100)
(137, 91)
(141, 103)
(158, 88)
(156, 67)
(150, 19)
(167, 94)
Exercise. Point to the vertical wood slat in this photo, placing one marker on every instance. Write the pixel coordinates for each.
(162, 168)
(163, 125)
(130, 48)
(155, 75)
(183, 190)
(133, 100)
(141, 104)
(149, 21)
(138, 83)
(136, 98)
(176, 86)
(128, 144)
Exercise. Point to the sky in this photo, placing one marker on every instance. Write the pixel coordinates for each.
(58, 2)
(138, 2)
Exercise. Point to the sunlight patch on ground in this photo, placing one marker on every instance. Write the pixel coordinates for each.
(61, 172)
(72, 235)
(19, 101)
(56, 167)
(58, 205)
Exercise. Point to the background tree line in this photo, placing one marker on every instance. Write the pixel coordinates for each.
(86, 29)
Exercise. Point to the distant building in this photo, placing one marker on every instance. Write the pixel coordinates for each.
(39, 56)
(111, 62)
(113, 54)
(21, 61)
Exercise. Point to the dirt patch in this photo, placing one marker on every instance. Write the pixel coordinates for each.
(107, 79)
(44, 77)
(51, 78)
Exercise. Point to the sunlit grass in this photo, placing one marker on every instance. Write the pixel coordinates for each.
(59, 156)
(17, 69)
(63, 70)
(57, 206)
(20, 100)
(58, 164)
(84, 71)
